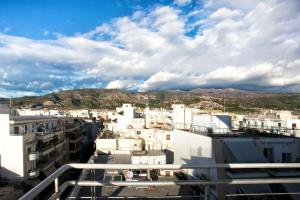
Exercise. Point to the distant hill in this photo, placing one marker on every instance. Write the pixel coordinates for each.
(235, 100)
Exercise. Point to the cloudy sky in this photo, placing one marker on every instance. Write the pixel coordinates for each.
(49, 45)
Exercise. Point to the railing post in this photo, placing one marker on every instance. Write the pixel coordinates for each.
(206, 193)
(56, 187)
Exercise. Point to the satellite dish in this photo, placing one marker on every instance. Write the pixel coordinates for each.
(130, 174)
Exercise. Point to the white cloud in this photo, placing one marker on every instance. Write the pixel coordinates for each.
(256, 44)
(121, 84)
(182, 2)
(223, 13)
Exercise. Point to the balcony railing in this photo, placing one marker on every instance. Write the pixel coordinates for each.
(205, 183)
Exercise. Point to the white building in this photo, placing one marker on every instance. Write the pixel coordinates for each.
(158, 118)
(182, 116)
(79, 113)
(31, 145)
(118, 145)
(124, 118)
(40, 112)
(152, 157)
(217, 123)
(280, 122)
(202, 149)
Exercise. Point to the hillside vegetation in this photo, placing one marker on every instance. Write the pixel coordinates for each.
(235, 100)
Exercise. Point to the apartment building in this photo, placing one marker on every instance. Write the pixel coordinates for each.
(279, 122)
(40, 112)
(31, 146)
(158, 118)
(203, 148)
(124, 118)
(78, 113)
(74, 133)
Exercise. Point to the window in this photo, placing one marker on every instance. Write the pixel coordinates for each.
(286, 157)
(268, 153)
(138, 132)
(279, 124)
(167, 137)
(16, 130)
(294, 125)
(26, 128)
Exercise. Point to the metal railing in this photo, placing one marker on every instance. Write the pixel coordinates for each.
(206, 183)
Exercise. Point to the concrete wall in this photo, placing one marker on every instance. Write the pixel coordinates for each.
(279, 146)
(150, 160)
(219, 123)
(190, 148)
(118, 146)
(12, 152)
(181, 114)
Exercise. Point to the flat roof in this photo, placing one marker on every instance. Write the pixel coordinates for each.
(28, 119)
(113, 159)
(148, 153)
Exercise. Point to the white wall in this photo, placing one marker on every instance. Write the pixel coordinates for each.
(181, 114)
(190, 148)
(119, 145)
(11, 150)
(281, 145)
(150, 160)
(219, 123)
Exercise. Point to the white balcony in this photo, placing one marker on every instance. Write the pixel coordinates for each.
(34, 156)
(33, 173)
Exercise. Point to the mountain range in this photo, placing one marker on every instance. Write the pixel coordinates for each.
(208, 99)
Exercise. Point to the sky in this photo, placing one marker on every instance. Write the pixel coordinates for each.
(148, 45)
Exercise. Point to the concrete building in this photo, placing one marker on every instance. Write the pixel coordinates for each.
(74, 133)
(279, 122)
(158, 118)
(125, 117)
(152, 157)
(182, 116)
(79, 113)
(118, 145)
(218, 123)
(40, 112)
(202, 149)
(31, 146)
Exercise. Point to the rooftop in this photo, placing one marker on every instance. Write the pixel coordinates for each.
(28, 119)
(148, 153)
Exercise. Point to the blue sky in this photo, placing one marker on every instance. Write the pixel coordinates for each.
(145, 45)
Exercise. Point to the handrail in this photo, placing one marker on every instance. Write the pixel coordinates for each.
(54, 177)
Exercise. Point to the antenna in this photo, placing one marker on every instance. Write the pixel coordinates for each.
(224, 108)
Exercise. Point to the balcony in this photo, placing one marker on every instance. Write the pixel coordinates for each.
(33, 156)
(46, 149)
(59, 144)
(48, 135)
(74, 138)
(71, 127)
(33, 173)
(47, 164)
